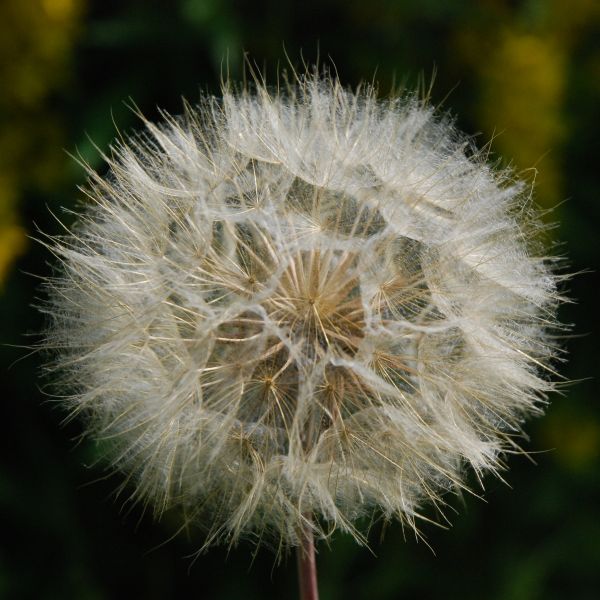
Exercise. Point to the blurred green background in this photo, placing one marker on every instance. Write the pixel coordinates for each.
(526, 73)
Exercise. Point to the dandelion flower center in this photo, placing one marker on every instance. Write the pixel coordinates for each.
(318, 299)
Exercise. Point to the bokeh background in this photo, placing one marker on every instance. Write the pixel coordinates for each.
(523, 73)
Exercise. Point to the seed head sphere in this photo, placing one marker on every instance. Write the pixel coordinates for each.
(296, 308)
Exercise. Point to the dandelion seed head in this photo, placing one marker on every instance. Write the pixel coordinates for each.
(305, 302)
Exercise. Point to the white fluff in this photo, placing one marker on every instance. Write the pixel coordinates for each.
(301, 307)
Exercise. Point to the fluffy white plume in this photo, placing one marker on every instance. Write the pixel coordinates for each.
(310, 303)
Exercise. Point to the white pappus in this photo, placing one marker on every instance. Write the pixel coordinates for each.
(291, 309)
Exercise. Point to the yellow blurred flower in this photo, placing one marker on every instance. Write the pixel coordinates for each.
(60, 10)
(521, 55)
(523, 85)
(36, 40)
(12, 243)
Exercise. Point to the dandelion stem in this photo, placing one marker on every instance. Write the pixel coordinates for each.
(307, 566)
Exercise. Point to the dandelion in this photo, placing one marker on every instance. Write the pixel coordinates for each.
(289, 310)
